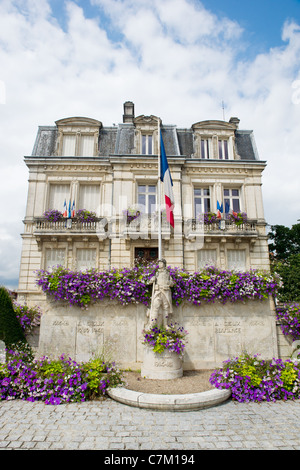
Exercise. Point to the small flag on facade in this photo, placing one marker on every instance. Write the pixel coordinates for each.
(73, 209)
(65, 213)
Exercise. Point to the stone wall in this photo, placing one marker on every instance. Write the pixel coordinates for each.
(216, 331)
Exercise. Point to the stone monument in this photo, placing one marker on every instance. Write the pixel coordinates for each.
(161, 301)
(166, 365)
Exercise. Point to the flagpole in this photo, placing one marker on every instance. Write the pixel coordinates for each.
(159, 193)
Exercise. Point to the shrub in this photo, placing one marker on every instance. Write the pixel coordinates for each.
(10, 329)
(253, 379)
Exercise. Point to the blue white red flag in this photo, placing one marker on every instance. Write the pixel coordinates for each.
(166, 178)
(73, 209)
(65, 213)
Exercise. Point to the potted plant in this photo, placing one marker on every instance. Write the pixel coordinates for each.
(163, 352)
(238, 218)
(83, 215)
(53, 215)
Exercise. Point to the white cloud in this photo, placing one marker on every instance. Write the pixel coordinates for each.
(176, 60)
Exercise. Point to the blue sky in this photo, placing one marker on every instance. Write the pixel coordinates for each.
(178, 59)
(262, 20)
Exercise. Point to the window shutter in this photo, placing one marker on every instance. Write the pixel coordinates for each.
(236, 260)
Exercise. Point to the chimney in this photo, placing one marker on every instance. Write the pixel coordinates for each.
(235, 121)
(128, 115)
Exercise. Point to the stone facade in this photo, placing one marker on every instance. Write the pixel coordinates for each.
(109, 169)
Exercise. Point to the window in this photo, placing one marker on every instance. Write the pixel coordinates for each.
(223, 149)
(147, 144)
(89, 197)
(58, 194)
(85, 259)
(69, 145)
(86, 145)
(232, 200)
(147, 197)
(201, 201)
(205, 148)
(78, 145)
(207, 258)
(236, 260)
(54, 257)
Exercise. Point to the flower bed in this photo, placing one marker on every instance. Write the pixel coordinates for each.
(132, 285)
(289, 316)
(55, 381)
(169, 338)
(255, 380)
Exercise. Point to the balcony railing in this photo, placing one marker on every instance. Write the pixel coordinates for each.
(42, 225)
(225, 227)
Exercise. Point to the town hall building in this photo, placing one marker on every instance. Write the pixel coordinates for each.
(93, 197)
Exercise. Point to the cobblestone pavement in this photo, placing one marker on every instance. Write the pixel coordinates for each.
(112, 426)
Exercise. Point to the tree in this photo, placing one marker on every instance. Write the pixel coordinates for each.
(285, 242)
(285, 260)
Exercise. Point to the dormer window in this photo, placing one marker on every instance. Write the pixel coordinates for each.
(214, 140)
(146, 132)
(77, 137)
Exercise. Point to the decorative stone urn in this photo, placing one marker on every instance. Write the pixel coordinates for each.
(162, 366)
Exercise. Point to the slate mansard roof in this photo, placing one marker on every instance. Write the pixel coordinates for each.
(119, 140)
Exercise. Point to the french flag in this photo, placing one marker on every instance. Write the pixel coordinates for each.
(166, 178)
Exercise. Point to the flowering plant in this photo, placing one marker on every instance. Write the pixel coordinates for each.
(238, 218)
(289, 316)
(131, 285)
(84, 215)
(29, 317)
(169, 338)
(208, 218)
(53, 215)
(55, 381)
(131, 214)
(254, 379)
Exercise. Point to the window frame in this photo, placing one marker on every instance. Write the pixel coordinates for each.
(146, 142)
(203, 197)
(232, 198)
(147, 194)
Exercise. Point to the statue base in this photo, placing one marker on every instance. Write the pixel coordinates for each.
(164, 366)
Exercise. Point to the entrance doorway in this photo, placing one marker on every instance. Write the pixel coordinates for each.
(145, 255)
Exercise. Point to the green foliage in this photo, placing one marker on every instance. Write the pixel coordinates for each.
(289, 271)
(285, 242)
(100, 375)
(11, 331)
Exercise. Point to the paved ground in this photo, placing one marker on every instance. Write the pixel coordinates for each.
(112, 426)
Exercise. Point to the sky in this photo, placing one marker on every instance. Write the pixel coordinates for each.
(177, 59)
